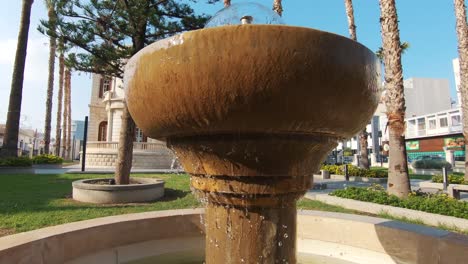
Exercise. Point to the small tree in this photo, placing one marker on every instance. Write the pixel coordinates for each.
(10, 140)
(108, 32)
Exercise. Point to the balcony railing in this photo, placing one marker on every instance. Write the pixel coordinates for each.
(440, 123)
(137, 146)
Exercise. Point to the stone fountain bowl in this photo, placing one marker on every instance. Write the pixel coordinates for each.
(253, 79)
(264, 89)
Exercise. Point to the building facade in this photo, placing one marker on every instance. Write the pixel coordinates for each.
(426, 95)
(456, 72)
(105, 121)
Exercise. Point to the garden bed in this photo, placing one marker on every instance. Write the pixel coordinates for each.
(431, 203)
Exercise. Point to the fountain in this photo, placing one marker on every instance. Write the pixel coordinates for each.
(251, 110)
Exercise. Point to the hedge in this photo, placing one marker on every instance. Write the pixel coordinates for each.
(453, 179)
(47, 159)
(16, 162)
(431, 164)
(355, 171)
(439, 203)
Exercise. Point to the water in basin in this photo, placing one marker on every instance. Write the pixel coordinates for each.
(197, 258)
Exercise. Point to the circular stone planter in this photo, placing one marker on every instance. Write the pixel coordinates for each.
(141, 190)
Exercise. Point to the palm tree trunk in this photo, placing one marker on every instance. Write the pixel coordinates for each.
(65, 115)
(59, 100)
(227, 3)
(278, 7)
(68, 115)
(462, 33)
(127, 136)
(350, 15)
(364, 159)
(50, 82)
(398, 178)
(10, 140)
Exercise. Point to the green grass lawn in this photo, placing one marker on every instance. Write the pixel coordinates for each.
(29, 202)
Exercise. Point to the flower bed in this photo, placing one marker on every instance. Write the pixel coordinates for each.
(452, 178)
(47, 159)
(354, 171)
(431, 203)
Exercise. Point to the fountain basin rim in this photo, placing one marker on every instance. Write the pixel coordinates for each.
(142, 183)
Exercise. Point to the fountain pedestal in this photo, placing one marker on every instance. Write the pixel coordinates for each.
(251, 111)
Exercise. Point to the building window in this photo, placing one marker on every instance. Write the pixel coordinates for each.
(432, 124)
(104, 86)
(456, 120)
(102, 132)
(443, 122)
(139, 136)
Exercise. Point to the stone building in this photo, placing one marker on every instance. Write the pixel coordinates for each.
(105, 112)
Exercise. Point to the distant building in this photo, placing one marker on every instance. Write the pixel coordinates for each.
(77, 129)
(426, 95)
(433, 134)
(30, 142)
(423, 96)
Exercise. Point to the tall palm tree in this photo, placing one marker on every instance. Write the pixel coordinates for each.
(58, 130)
(65, 114)
(68, 147)
(350, 15)
(52, 16)
(462, 33)
(398, 180)
(10, 140)
(364, 160)
(278, 7)
(227, 3)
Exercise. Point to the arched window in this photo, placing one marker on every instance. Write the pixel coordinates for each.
(102, 132)
(104, 86)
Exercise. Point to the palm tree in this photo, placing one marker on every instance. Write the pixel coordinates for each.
(58, 135)
(278, 7)
(462, 33)
(350, 15)
(404, 47)
(364, 160)
(50, 4)
(68, 106)
(65, 114)
(227, 3)
(398, 178)
(10, 140)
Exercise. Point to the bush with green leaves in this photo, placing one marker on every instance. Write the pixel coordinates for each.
(434, 164)
(439, 203)
(452, 178)
(16, 162)
(355, 171)
(47, 159)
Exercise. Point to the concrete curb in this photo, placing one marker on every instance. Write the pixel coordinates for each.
(147, 190)
(373, 208)
(432, 185)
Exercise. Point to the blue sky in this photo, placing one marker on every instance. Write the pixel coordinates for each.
(428, 25)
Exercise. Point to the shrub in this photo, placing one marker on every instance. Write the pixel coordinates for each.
(355, 171)
(16, 162)
(431, 164)
(452, 178)
(47, 159)
(439, 203)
